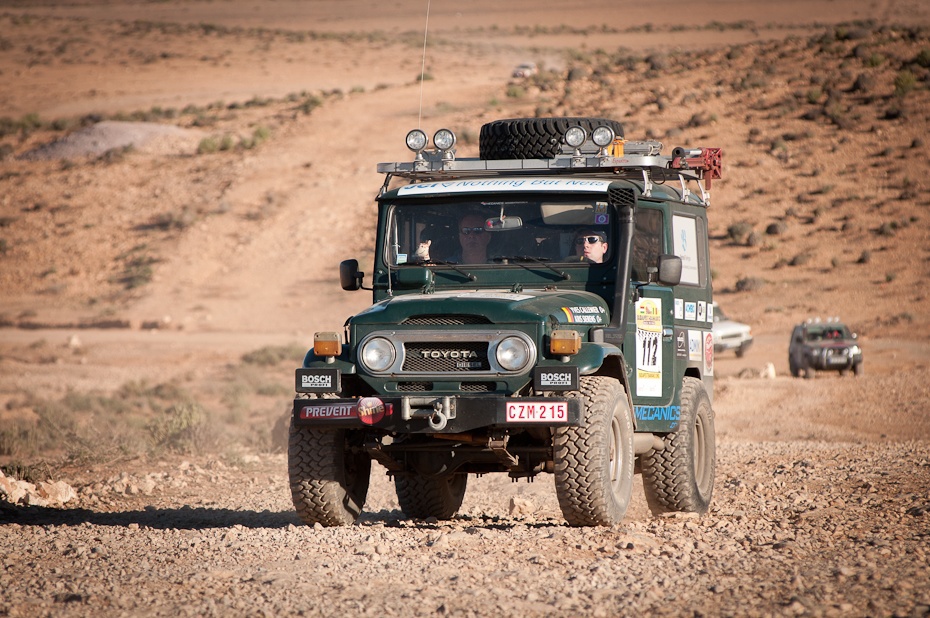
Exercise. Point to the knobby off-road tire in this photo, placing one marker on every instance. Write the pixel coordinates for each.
(421, 497)
(329, 483)
(680, 477)
(533, 138)
(594, 461)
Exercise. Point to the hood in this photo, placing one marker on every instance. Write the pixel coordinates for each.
(568, 307)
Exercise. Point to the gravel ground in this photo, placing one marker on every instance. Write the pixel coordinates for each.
(796, 528)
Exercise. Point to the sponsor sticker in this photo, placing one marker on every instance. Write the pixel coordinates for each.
(695, 345)
(649, 347)
(584, 315)
(318, 380)
(709, 353)
(658, 413)
(371, 410)
(690, 310)
(327, 411)
(679, 309)
(555, 378)
(681, 344)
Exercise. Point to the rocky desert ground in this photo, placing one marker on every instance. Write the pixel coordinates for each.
(180, 179)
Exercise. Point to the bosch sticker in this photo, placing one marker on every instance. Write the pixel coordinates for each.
(681, 344)
(555, 378)
(318, 381)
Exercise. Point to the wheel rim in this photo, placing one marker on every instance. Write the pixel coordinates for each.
(616, 455)
(700, 450)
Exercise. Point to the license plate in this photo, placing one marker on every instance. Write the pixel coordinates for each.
(836, 360)
(537, 412)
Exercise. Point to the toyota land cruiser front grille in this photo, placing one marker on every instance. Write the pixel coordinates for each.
(441, 357)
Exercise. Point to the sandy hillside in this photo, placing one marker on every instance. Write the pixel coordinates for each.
(188, 175)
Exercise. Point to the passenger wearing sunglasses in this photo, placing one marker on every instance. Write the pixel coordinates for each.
(591, 245)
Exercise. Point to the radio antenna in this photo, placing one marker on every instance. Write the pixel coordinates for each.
(423, 66)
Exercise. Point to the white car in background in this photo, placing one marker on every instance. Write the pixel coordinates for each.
(730, 334)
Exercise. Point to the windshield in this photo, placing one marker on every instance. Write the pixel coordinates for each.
(828, 332)
(494, 232)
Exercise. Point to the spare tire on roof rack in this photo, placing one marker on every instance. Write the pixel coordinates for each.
(535, 138)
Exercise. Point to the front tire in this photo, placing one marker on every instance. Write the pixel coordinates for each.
(422, 497)
(594, 461)
(680, 477)
(329, 481)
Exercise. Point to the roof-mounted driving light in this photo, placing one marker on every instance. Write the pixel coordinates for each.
(444, 139)
(603, 136)
(416, 141)
(575, 136)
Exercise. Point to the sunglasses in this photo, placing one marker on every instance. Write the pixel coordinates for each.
(471, 230)
(588, 239)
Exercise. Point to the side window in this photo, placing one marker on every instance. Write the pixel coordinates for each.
(647, 241)
(689, 243)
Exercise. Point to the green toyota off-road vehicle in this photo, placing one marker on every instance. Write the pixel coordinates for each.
(543, 308)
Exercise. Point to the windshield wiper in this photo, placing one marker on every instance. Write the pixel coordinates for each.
(465, 274)
(518, 259)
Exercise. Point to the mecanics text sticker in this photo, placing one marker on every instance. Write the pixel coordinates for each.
(649, 347)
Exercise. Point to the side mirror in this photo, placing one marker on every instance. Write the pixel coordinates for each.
(349, 276)
(669, 270)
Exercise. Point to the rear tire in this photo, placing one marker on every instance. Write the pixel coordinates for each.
(680, 477)
(594, 462)
(421, 497)
(329, 482)
(533, 138)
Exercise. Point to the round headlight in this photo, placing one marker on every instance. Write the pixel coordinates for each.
(602, 136)
(513, 354)
(444, 139)
(416, 140)
(575, 136)
(378, 354)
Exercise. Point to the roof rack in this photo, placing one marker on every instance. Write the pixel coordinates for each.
(640, 160)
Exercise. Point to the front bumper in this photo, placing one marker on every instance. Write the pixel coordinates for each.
(834, 362)
(437, 414)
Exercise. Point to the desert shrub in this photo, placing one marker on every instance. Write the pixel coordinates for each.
(904, 82)
(738, 231)
(777, 228)
(889, 277)
(800, 259)
(182, 429)
(749, 284)
(516, 92)
(865, 257)
(208, 145)
(874, 60)
(309, 104)
(835, 262)
(269, 356)
(923, 58)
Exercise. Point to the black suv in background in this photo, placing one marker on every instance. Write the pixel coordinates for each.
(823, 346)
